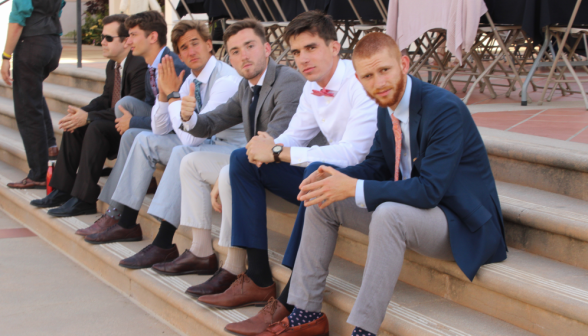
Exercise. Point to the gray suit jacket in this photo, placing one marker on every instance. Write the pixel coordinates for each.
(278, 100)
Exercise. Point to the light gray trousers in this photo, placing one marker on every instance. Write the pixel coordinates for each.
(137, 108)
(392, 228)
(168, 203)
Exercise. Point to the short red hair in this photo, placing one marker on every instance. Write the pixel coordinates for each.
(373, 43)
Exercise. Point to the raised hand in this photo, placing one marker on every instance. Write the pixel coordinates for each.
(188, 104)
(168, 81)
(123, 123)
(259, 149)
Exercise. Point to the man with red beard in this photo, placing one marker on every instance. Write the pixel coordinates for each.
(426, 185)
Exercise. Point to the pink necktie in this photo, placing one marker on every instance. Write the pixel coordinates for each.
(398, 143)
(323, 92)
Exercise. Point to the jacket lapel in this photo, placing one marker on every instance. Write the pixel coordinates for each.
(124, 72)
(270, 77)
(414, 117)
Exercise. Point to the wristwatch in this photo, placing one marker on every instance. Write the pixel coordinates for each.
(174, 94)
(277, 149)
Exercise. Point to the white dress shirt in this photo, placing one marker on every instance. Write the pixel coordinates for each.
(402, 113)
(259, 82)
(166, 117)
(347, 120)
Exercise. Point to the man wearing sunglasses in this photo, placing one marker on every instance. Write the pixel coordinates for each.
(89, 132)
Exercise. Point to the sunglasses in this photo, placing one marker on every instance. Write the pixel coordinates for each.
(109, 38)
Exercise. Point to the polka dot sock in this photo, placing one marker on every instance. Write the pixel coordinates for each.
(360, 332)
(300, 316)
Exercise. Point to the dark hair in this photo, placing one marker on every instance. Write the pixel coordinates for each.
(122, 31)
(314, 22)
(149, 21)
(182, 27)
(244, 24)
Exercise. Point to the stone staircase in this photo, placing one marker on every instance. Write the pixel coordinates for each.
(541, 288)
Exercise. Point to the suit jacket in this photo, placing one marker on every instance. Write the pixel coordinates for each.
(450, 169)
(132, 84)
(278, 101)
(145, 122)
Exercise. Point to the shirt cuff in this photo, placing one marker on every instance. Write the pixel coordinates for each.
(188, 125)
(359, 195)
(299, 156)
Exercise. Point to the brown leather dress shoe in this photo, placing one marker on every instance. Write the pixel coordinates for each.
(99, 225)
(318, 327)
(218, 283)
(27, 183)
(152, 186)
(116, 233)
(188, 263)
(149, 256)
(53, 152)
(273, 312)
(242, 293)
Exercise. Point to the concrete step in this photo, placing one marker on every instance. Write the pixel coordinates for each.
(90, 79)
(510, 284)
(411, 312)
(546, 224)
(58, 97)
(546, 164)
(8, 119)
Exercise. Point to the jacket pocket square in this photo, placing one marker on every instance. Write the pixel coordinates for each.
(414, 160)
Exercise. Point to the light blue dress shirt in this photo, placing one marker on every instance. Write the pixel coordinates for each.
(402, 114)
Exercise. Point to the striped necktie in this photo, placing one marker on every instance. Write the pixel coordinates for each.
(197, 94)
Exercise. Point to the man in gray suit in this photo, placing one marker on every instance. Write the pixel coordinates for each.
(209, 84)
(266, 101)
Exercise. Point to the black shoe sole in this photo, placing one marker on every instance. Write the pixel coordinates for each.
(134, 267)
(197, 272)
(42, 206)
(37, 187)
(114, 241)
(250, 304)
(73, 214)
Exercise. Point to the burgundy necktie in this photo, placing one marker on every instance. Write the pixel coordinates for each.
(153, 81)
(117, 84)
(323, 92)
(398, 143)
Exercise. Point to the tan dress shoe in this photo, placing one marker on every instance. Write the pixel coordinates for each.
(27, 183)
(242, 293)
(99, 225)
(318, 327)
(273, 312)
(188, 263)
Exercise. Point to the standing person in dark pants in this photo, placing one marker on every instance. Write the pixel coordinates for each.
(33, 36)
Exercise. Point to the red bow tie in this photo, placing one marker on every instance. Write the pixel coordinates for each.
(323, 92)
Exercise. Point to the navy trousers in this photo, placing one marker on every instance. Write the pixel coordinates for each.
(249, 204)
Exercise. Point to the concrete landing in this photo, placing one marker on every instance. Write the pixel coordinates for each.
(45, 293)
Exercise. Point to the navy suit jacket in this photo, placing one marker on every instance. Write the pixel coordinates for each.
(145, 122)
(450, 169)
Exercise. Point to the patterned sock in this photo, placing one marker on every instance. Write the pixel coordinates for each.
(113, 212)
(360, 332)
(300, 316)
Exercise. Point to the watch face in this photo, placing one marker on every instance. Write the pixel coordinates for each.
(277, 149)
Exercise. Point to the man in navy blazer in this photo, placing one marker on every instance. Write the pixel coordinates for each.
(443, 205)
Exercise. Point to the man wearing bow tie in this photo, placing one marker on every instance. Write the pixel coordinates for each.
(426, 185)
(332, 102)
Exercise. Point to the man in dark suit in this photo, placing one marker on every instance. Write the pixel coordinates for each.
(426, 185)
(89, 133)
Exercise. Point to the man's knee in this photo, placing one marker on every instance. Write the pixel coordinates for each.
(388, 216)
(312, 168)
(127, 103)
(239, 161)
(189, 165)
(224, 180)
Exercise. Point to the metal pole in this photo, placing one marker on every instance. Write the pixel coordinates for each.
(79, 31)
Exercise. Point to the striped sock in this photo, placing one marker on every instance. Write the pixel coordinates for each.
(300, 316)
(360, 332)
